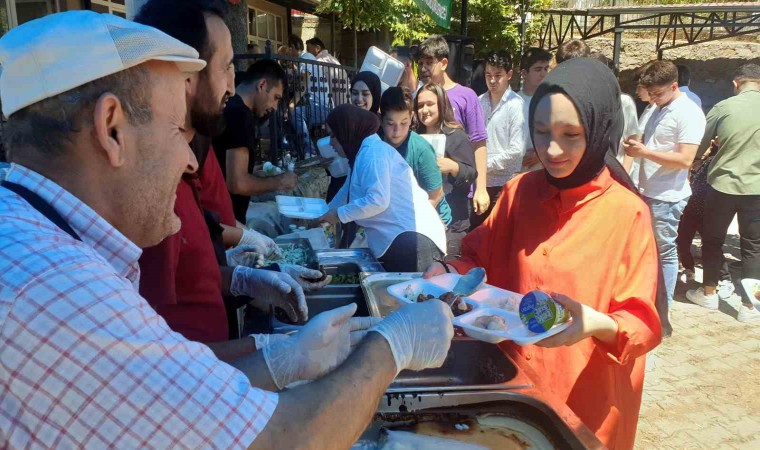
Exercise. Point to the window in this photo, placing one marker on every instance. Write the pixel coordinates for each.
(263, 26)
(115, 7)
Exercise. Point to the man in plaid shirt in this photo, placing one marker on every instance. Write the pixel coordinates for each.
(96, 118)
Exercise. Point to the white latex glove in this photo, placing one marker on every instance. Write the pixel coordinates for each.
(245, 255)
(264, 243)
(262, 340)
(321, 345)
(306, 277)
(419, 334)
(268, 287)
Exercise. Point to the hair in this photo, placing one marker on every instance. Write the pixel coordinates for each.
(638, 73)
(395, 99)
(532, 56)
(316, 41)
(684, 75)
(44, 126)
(572, 49)
(658, 73)
(445, 111)
(184, 20)
(500, 59)
(747, 73)
(265, 69)
(434, 46)
(295, 42)
(599, 56)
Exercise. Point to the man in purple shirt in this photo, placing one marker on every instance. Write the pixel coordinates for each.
(433, 60)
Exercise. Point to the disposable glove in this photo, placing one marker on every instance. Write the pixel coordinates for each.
(307, 278)
(319, 347)
(265, 244)
(245, 255)
(419, 334)
(262, 340)
(267, 287)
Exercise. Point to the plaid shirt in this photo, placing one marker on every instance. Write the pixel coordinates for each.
(85, 362)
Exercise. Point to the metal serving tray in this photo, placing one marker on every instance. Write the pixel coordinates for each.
(375, 288)
(359, 256)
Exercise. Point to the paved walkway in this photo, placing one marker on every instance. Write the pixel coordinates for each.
(702, 388)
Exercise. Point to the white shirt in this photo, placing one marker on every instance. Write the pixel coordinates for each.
(86, 361)
(385, 198)
(681, 122)
(643, 119)
(692, 96)
(317, 85)
(505, 125)
(630, 122)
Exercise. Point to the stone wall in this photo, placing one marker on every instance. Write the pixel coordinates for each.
(712, 63)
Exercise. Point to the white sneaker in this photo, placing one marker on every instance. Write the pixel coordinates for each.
(698, 297)
(725, 289)
(747, 314)
(688, 275)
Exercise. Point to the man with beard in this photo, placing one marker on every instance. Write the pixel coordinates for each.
(258, 95)
(96, 154)
(182, 278)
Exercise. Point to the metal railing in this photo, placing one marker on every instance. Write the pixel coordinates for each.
(313, 89)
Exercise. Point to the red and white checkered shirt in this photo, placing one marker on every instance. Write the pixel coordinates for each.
(85, 362)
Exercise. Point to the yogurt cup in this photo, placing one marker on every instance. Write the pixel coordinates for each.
(539, 312)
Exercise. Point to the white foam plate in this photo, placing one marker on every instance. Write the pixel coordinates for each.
(516, 331)
(750, 287)
(301, 207)
(487, 296)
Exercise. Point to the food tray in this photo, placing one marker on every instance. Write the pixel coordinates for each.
(296, 251)
(487, 297)
(301, 207)
(516, 331)
(375, 287)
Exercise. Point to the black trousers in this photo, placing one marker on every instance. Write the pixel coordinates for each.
(410, 252)
(721, 209)
(690, 225)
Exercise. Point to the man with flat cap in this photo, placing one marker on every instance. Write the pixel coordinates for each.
(95, 135)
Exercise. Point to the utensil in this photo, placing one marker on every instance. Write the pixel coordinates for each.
(470, 282)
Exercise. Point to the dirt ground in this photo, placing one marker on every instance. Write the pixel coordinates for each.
(702, 387)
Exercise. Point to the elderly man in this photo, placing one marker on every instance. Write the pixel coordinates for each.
(97, 149)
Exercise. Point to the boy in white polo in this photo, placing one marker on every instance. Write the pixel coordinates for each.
(671, 138)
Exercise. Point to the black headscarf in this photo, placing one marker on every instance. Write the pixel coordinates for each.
(351, 125)
(595, 92)
(373, 83)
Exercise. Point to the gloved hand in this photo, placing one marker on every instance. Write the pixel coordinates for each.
(419, 334)
(262, 340)
(307, 278)
(245, 255)
(265, 244)
(267, 287)
(321, 345)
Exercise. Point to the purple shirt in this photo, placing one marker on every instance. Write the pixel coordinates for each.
(467, 112)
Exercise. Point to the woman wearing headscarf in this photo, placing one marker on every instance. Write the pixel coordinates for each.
(578, 231)
(365, 91)
(381, 194)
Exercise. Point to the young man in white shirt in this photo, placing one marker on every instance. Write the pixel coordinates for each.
(684, 80)
(505, 125)
(671, 139)
(534, 65)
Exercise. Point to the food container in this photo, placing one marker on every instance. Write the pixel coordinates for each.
(296, 251)
(752, 288)
(386, 67)
(514, 330)
(487, 296)
(301, 207)
(339, 167)
(539, 312)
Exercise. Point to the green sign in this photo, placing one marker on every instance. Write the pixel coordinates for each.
(438, 10)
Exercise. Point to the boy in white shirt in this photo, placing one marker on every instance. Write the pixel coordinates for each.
(671, 139)
(534, 65)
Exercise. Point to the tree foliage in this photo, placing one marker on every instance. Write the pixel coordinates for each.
(494, 24)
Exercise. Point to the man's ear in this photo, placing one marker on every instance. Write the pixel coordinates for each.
(262, 85)
(444, 63)
(110, 126)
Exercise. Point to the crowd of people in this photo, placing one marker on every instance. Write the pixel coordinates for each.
(125, 250)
